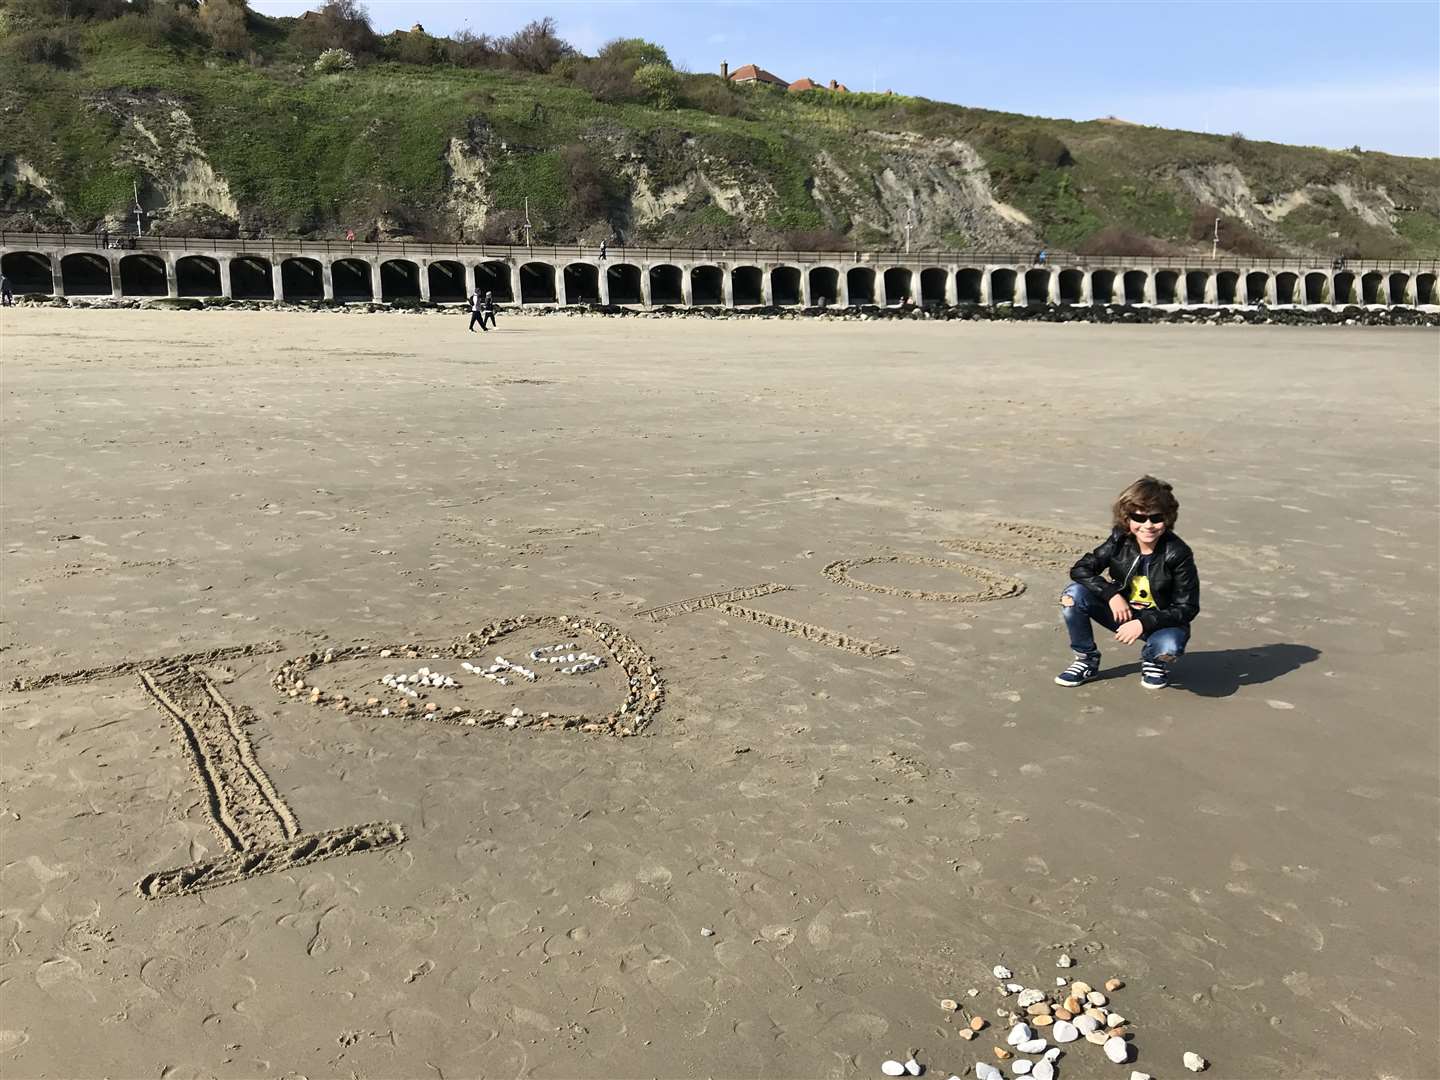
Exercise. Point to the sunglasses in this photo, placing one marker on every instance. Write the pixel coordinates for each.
(1153, 519)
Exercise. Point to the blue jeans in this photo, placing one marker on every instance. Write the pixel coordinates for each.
(1168, 641)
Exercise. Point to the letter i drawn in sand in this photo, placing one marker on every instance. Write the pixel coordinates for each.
(245, 810)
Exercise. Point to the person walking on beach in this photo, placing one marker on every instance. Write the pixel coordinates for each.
(477, 309)
(7, 298)
(1152, 594)
(488, 310)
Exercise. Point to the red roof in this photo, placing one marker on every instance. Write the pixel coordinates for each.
(805, 84)
(751, 73)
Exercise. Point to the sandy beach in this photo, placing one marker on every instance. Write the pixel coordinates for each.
(870, 796)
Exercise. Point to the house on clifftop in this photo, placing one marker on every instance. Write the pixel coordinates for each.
(749, 73)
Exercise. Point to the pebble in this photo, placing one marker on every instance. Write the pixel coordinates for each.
(977, 1023)
(1064, 1032)
(1086, 1024)
(1194, 1062)
(985, 1071)
(1042, 1020)
(972, 992)
(1099, 1038)
(1114, 1020)
(705, 931)
(1136, 1074)
(1021, 1067)
(1063, 1014)
(892, 1068)
(913, 1067)
(1043, 1070)
(1072, 1004)
(949, 1004)
(1000, 971)
(1079, 988)
(966, 1034)
(1014, 988)
(1018, 1034)
(1041, 1008)
(1111, 985)
(1053, 1053)
(1059, 980)
(1117, 1050)
(1032, 1046)
(1064, 961)
(1098, 1015)
(1003, 1054)
(1030, 997)
(1097, 999)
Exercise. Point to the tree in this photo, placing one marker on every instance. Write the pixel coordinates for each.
(660, 83)
(339, 24)
(536, 47)
(634, 53)
(224, 23)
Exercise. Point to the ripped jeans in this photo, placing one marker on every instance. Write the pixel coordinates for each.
(1166, 643)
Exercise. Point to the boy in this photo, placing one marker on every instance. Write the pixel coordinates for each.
(1152, 594)
(477, 309)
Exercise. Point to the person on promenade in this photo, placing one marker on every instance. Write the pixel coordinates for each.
(477, 309)
(6, 296)
(1151, 595)
(604, 250)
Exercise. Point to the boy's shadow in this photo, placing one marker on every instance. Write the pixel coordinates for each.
(1224, 671)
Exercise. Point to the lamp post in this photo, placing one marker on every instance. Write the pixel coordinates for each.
(1215, 244)
(909, 224)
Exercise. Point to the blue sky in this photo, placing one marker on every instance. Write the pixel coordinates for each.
(1362, 72)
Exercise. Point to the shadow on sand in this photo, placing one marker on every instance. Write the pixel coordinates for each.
(1224, 671)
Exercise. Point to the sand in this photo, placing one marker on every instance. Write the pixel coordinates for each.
(871, 795)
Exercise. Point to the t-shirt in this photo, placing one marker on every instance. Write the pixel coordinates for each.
(1139, 595)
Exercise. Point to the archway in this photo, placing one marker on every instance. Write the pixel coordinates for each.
(1316, 288)
(351, 278)
(1002, 286)
(197, 275)
(1102, 287)
(582, 283)
(1037, 287)
(302, 279)
(860, 285)
(537, 283)
(897, 285)
(399, 280)
(1196, 282)
(143, 275)
(707, 286)
(932, 285)
(623, 280)
(1285, 287)
(785, 285)
(824, 286)
(1370, 287)
(968, 285)
(84, 273)
(1257, 286)
(1425, 289)
(666, 285)
(1072, 286)
(1165, 286)
(447, 281)
(1134, 282)
(1227, 283)
(494, 278)
(251, 279)
(29, 272)
(1399, 283)
(747, 285)
(1344, 287)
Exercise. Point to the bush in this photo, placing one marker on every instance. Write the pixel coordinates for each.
(471, 50)
(660, 83)
(711, 94)
(814, 240)
(535, 47)
(339, 24)
(415, 47)
(1114, 240)
(334, 60)
(223, 22)
(503, 227)
(606, 80)
(53, 47)
(633, 53)
(592, 190)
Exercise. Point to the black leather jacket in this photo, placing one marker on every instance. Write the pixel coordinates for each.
(1174, 581)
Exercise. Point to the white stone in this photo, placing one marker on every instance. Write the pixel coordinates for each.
(1030, 997)
(705, 931)
(1194, 1062)
(1087, 1024)
(1021, 1067)
(1043, 1070)
(913, 1067)
(1014, 988)
(1063, 1031)
(972, 992)
(1096, 998)
(1136, 1074)
(1114, 1020)
(892, 1068)
(1064, 961)
(1000, 971)
(1053, 1053)
(1018, 1034)
(985, 1071)
(1060, 980)
(1117, 1050)
(1031, 1046)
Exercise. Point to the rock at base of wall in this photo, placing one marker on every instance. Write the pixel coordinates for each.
(176, 303)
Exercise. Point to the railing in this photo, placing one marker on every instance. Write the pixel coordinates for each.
(283, 247)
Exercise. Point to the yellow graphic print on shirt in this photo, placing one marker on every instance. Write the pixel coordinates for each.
(1140, 596)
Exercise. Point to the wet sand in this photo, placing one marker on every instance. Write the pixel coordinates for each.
(871, 797)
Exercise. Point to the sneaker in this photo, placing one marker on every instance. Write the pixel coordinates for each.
(1154, 675)
(1082, 670)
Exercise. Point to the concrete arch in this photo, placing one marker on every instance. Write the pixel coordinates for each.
(1257, 287)
(1002, 286)
(29, 272)
(824, 286)
(1399, 287)
(494, 278)
(969, 285)
(197, 275)
(1072, 286)
(623, 282)
(143, 275)
(1227, 287)
(932, 285)
(667, 284)
(899, 285)
(1344, 287)
(1196, 282)
(1285, 287)
(1317, 288)
(747, 285)
(1370, 287)
(537, 283)
(1037, 286)
(1134, 283)
(582, 283)
(445, 281)
(1425, 289)
(302, 279)
(352, 280)
(707, 286)
(860, 285)
(1102, 287)
(85, 273)
(251, 278)
(1167, 283)
(399, 280)
(785, 286)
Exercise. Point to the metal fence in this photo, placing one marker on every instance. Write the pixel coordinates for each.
(274, 248)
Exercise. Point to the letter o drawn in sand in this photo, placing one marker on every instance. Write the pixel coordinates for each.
(993, 586)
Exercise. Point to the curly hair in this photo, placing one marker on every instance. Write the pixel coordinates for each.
(1149, 496)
